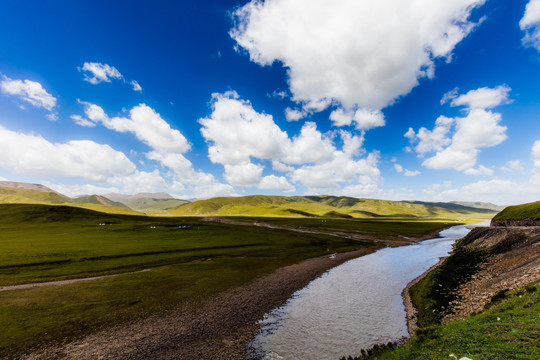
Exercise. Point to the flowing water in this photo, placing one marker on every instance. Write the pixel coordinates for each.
(351, 307)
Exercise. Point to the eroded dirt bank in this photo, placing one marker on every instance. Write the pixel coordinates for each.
(219, 329)
(514, 262)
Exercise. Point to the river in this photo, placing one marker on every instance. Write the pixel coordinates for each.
(351, 307)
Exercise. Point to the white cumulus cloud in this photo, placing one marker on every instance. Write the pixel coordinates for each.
(363, 119)
(457, 141)
(236, 132)
(135, 85)
(530, 23)
(168, 147)
(96, 73)
(139, 181)
(34, 155)
(483, 98)
(340, 173)
(30, 91)
(147, 125)
(237, 135)
(243, 175)
(356, 54)
(276, 183)
(432, 140)
(294, 114)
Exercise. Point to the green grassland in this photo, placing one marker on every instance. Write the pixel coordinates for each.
(520, 212)
(325, 206)
(189, 260)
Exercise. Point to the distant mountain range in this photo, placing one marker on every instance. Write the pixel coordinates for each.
(148, 202)
(255, 205)
(324, 206)
(480, 205)
(17, 192)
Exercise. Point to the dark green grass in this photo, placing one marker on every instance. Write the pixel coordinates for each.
(520, 212)
(190, 261)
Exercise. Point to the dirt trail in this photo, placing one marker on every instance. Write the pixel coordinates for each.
(383, 239)
(63, 282)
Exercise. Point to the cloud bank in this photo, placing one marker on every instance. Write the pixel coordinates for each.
(34, 155)
(353, 54)
(242, 140)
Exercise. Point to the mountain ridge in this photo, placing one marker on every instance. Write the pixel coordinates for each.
(328, 206)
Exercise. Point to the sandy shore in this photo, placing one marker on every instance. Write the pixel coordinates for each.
(219, 329)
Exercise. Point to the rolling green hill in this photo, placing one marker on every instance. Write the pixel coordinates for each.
(23, 193)
(526, 212)
(98, 200)
(254, 205)
(323, 206)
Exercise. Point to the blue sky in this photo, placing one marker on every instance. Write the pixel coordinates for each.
(427, 100)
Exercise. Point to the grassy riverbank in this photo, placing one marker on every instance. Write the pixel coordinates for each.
(507, 330)
(433, 294)
(189, 262)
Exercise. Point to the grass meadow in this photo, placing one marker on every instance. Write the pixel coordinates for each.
(189, 260)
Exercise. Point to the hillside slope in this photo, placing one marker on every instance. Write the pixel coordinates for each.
(148, 202)
(23, 193)
(98, 200)
(324, 206)
(519, 215)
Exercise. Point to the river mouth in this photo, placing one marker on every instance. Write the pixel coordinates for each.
(351, 307)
